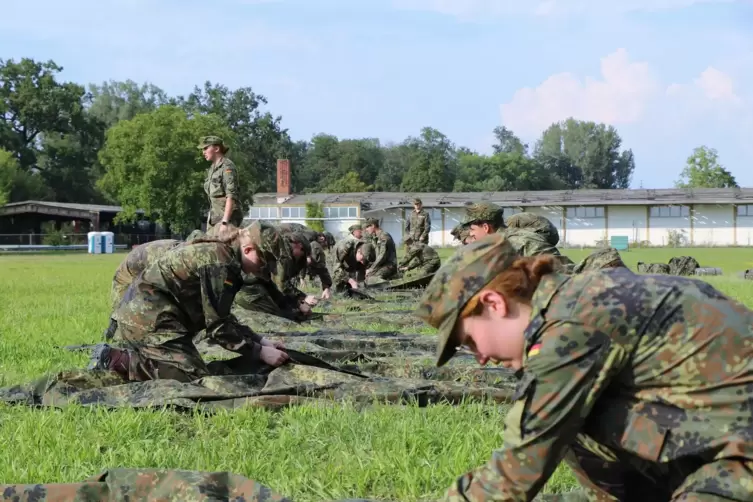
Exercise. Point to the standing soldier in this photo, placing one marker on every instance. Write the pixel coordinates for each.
(221, 186)
(419, 223)
(385, 263)
(420, 257)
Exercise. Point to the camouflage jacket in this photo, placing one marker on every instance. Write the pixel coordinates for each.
(537, 224)
(142, 256)
(189, 289)
(419, 225)
(310, 234)
(386, 252)
(650, 368)
(419, 254)
(221, 183)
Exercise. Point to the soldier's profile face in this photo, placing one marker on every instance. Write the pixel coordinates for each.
(210, 152)
(417, 207)
(252, 260)
(297, 249)
(358, 233)
(477, 231)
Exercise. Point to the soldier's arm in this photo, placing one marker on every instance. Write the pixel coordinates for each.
(560, 385)
(219, 285)
(230, 180)
(427, 227)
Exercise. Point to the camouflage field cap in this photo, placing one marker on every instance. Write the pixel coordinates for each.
(484, 211)
(211, 141)
(371, 221)
(352, 228)
(461, 232)
(368, 251)
(270, 242)
(457, 281)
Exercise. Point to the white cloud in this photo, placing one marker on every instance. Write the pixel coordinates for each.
(623, 95)
(482, 9)
(620, 97)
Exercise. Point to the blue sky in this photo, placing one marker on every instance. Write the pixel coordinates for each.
(670, 75)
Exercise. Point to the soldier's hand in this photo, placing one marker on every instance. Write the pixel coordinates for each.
(305, 309)
(353, 283)
(326, 294)
(311, 300)
(272, 356)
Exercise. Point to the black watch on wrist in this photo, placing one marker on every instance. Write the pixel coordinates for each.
(224, 222)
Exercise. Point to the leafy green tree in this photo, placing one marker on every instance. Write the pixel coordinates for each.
(432, 163)
(703, 170)
(347, 184)
(594, 149)
(33, 103)
(151, 163)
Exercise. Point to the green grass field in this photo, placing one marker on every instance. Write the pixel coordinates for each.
(307, 453)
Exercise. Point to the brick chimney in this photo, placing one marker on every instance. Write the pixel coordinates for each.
(283, 177)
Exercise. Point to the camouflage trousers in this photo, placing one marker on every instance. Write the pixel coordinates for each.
(173, 356)
(726, 479)
(425, 268)
(384, 272)
(255, 298)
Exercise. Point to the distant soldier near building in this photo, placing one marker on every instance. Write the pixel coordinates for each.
(385, 262)
(419, 257)
(486, 218)
(221, 186)
(419, 223)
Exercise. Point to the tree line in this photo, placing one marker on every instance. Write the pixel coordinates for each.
(133, 145)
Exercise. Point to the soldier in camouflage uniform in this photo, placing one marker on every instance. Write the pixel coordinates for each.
(642, 383)
(384, 266)
(419, 223)
(353, 258)
(420, 257)
(189, 289)
(485, 218)
(221, 186)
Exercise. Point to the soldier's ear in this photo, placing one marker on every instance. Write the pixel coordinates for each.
(495, 302)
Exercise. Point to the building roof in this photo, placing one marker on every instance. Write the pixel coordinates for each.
(95, 208)
(383, 200)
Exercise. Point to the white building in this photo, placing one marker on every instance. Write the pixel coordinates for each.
(584, 218)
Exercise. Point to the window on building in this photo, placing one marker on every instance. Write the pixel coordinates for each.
(341, 212)
(745, 210)
(436, 215)
(585, 212)
(264, 213)
(294, 212)
(669, 211)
